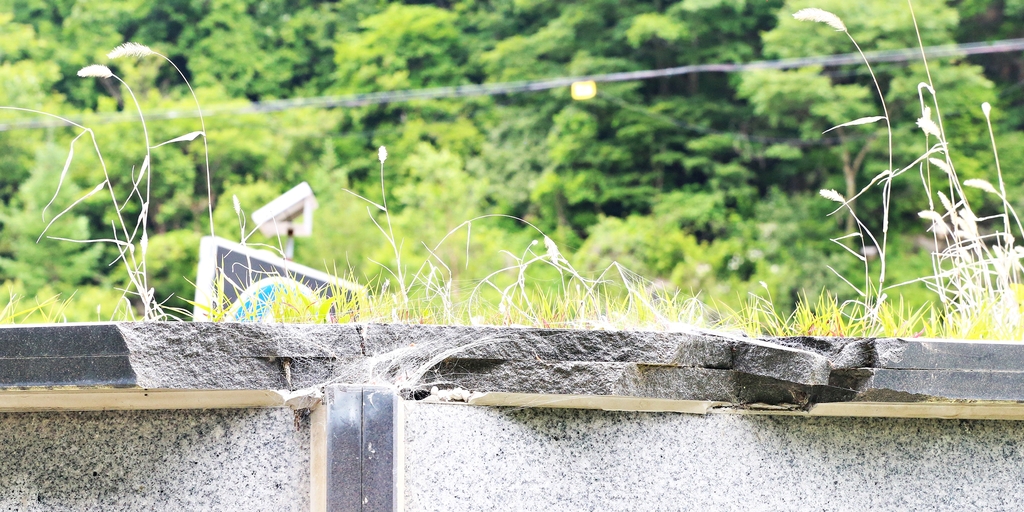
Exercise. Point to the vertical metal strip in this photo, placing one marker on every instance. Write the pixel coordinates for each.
(344, 454)
(361, 467)
(379, 468)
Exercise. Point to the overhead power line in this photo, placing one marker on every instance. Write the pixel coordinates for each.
(492, 89)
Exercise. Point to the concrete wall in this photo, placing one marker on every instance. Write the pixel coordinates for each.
(228, 459)
(463, 458)
(474, 458)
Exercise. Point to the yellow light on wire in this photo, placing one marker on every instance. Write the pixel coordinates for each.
(583, 90)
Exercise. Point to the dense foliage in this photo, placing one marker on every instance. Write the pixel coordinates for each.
(703, 183)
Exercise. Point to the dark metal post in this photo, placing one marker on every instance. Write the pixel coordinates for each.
(360, 449)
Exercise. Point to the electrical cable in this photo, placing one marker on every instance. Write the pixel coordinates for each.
(743, 137)
(492, 89)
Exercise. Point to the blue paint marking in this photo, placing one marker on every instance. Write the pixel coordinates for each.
(254, 304)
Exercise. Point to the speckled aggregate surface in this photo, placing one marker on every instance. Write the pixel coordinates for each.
(461, 458)
(236, 460)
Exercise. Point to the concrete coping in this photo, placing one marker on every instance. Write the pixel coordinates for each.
(170, 365)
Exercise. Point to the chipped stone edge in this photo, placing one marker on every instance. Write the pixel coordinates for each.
(138, 397)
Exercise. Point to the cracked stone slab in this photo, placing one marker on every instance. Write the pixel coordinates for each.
(780, 362)
(755, 357)
(752, 356)
(580, 378)
(521, 343)
(911, 354)
(705, 352)
(756, 391)
(630, 379)
(841, 352)
(787, 373)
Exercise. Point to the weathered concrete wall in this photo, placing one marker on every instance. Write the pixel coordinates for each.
(478, 458)
(227, 459)
(461, 458)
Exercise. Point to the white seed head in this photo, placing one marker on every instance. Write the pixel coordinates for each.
(981, 184)
(820, 16)
(966, 223)
(968, 215)
(237, 204)
(553, 254)
(130, 50)
(986, 108)
(964, 229)
(95, 70)
(929, 127)
(941, 164)
(946, 203)
(938, 224)
(382, 154)
(832, 195)
(999, 252)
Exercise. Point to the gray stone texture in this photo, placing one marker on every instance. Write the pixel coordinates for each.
(197, 355)
(884, 385)
(568, 378)
(89, 355)
(780, 373)
(780, 362)
(518, 343)
(464, 458)
(777, 373)
(229, 459)
(952, 355)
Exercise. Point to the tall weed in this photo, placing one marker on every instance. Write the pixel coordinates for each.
(976, 259)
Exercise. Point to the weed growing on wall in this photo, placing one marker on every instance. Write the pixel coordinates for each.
(131, 237)
(976, 258)
(976, 269)
(15, 310)
(509, 296)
